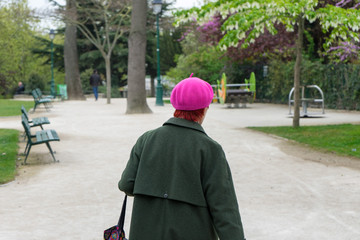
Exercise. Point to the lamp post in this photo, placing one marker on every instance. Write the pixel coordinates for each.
(157, 4)
(52, 83)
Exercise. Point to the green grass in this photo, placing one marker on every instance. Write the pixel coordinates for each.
(9, 139)
(9, 149)
(342, 139)
(10, 107)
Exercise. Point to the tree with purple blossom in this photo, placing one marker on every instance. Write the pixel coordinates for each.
(265, 45)
(345, 51)
(247, 20)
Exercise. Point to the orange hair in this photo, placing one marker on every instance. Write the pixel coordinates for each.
(194, 115)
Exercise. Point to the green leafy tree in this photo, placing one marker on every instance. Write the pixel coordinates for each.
(24, 50)
(248, 19)
(16, 62)
(41, 58)
(206, 63)
(198, 57)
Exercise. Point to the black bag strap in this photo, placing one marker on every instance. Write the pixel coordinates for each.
(122, 215)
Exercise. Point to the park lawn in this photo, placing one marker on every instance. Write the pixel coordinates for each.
(9, 149)
(9, 107)
(9, 139)
(341, 139)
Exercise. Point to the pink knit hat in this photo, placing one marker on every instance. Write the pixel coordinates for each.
(191, 94)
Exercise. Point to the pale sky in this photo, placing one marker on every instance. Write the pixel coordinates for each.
(42, 5)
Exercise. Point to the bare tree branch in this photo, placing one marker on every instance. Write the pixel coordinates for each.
(102, 22)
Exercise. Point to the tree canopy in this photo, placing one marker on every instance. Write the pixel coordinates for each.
(17, 61)
(248, 20)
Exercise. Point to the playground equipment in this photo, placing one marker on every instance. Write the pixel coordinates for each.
(308, 99)
(235, 94)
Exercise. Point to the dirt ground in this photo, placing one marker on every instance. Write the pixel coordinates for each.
(316, 155)
(285, 190)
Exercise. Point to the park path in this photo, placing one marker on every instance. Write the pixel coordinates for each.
(282, 194)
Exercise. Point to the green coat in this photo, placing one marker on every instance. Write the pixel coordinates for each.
(182, 186)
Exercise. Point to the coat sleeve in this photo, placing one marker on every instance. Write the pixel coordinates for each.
(221, 197)
(127, 181)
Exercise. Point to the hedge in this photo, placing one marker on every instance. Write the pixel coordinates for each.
(340, 83)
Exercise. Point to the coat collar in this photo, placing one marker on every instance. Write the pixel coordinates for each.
(185, 123)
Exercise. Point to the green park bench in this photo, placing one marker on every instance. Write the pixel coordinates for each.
(41, 95)
(35, 122)
(38, 100)
(40, 137)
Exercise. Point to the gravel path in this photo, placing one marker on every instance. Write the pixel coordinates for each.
(285, 191)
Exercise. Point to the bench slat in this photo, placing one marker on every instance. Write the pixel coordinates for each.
(35, 121)
(44, 100)
(46, 136)
(40, 121)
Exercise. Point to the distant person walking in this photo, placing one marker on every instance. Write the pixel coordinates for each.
(95, 81)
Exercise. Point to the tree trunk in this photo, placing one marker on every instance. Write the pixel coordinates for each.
(297, 72)
(72, 74)
(152, 83)
(108, 78)
(136, 101)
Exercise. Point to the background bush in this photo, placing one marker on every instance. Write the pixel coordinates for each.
(340, 83)
(35, 81)
(208, 63)
(85, 81)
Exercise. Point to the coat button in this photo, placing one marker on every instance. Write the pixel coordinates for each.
(165, 195)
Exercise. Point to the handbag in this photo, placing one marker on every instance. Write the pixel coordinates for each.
(117, 232)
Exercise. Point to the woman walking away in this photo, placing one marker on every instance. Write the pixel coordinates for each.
(180, 178)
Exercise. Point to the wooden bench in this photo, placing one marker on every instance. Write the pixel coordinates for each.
(38, 100)
(35, 122)
(40, 137)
